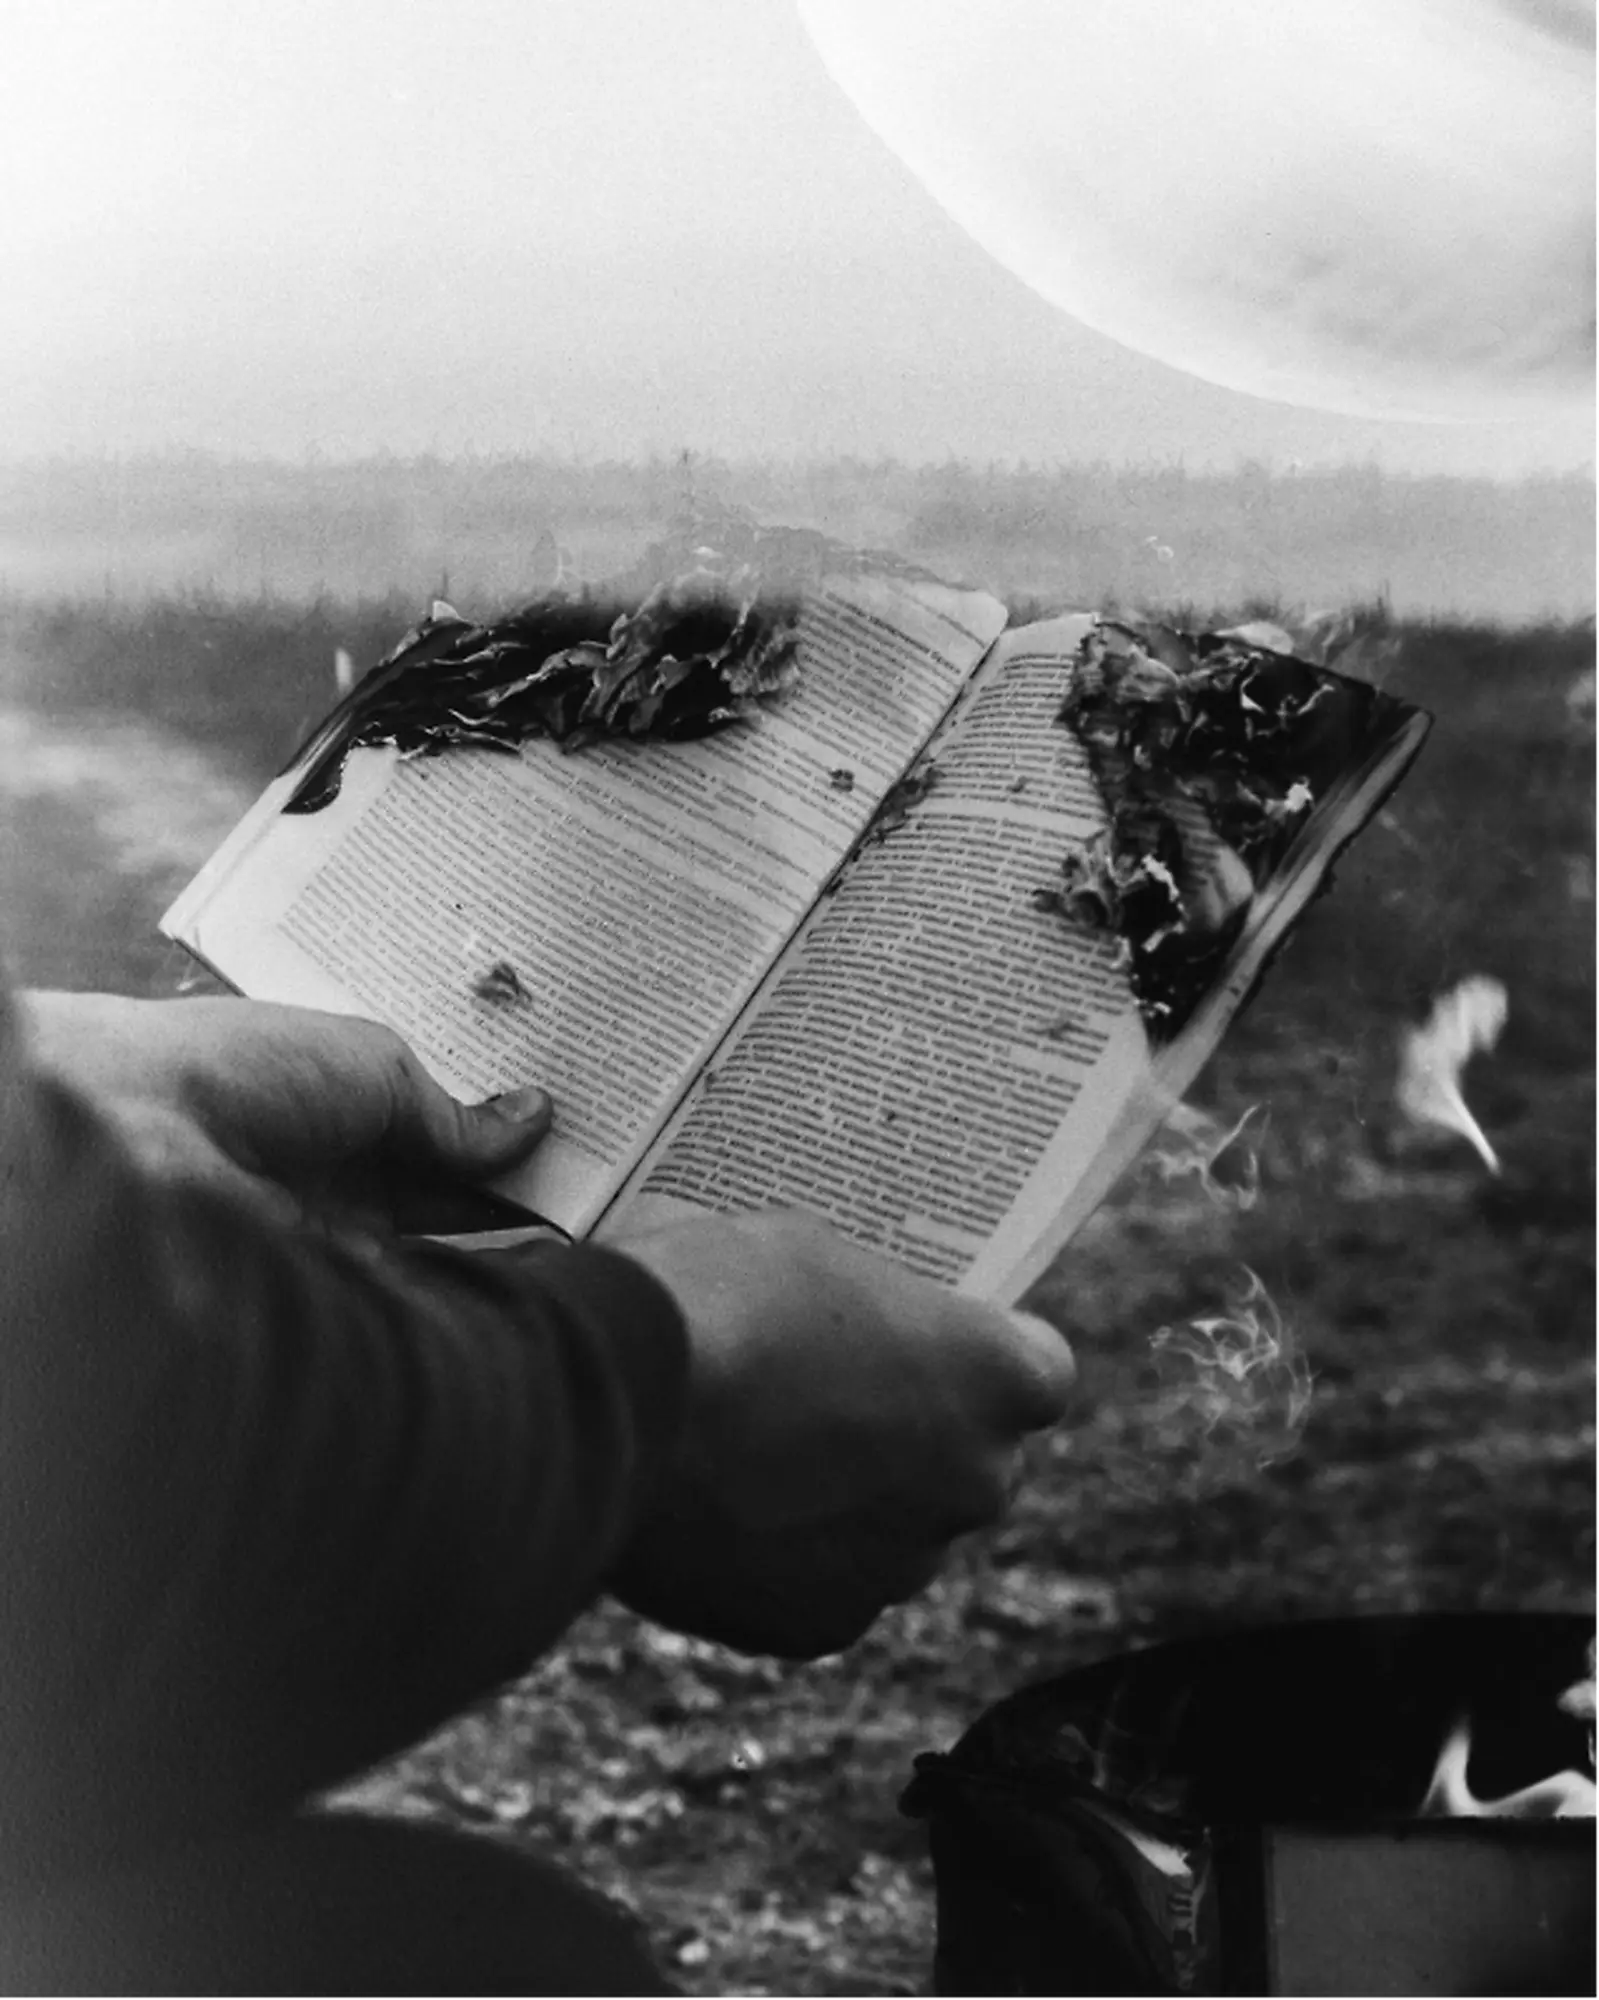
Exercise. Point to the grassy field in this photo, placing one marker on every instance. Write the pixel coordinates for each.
(749, 1812)
(489, 528)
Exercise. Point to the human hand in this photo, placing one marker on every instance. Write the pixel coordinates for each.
(847, 1421)
(335, 1113)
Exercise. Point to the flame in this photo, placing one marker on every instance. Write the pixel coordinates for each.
(1578, 1700)
(1582, 1699)
(1581, 698)
(1565, 1795)
(1191, 1142)
(1466, 1019)
(1239, 1375)
(1264, 632)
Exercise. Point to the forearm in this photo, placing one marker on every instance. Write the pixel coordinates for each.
(273, 1505)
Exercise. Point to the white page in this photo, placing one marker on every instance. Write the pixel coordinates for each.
(934, 1050)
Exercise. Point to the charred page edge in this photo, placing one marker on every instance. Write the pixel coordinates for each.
(1174, 726)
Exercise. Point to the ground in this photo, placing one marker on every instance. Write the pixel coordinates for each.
(747, 1810)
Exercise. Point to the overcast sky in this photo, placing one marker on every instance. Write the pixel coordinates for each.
(606, 227)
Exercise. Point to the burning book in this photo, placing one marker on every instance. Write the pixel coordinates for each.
(795, 875)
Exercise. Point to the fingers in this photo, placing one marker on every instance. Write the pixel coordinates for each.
(1019, 1368)
(1016, 1367)
(848, 1422)
(1045, 1370)
(430, 1130)
(171, 1149)
(975, 1490)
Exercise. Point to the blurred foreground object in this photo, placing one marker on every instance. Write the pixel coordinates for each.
(1468, 1018)
(1247, 1812)
(1377, 207)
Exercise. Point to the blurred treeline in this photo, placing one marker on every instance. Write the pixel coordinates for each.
(491, 529)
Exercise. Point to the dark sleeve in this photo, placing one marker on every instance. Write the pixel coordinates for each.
(273, 1505)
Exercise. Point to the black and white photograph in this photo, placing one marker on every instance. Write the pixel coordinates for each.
(797, 1005)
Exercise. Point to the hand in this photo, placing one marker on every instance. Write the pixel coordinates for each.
(847, 1421)
(335, 1112)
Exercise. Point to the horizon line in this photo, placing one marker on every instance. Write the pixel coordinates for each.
(312, 459)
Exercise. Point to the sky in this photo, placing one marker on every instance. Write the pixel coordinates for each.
(606, 228)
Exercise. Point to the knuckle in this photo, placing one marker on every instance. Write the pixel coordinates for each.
(402, 1076)
(389, 1046)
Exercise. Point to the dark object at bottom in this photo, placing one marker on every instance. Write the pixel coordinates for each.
(329, 1903)
(1237, 1815)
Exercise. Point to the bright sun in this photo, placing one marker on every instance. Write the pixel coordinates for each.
(1379, 207)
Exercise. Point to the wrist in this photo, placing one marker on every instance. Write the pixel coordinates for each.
(627, 1309)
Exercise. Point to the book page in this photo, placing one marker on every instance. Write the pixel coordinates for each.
(936, 1057)
(1039, 1231)
(948, 1072)
(591, 922)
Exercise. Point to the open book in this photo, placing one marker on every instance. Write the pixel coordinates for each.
(906, 947)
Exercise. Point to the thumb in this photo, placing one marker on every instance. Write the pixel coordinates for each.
(1021, 1367)
(1044, 1356)
(431, 1131)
